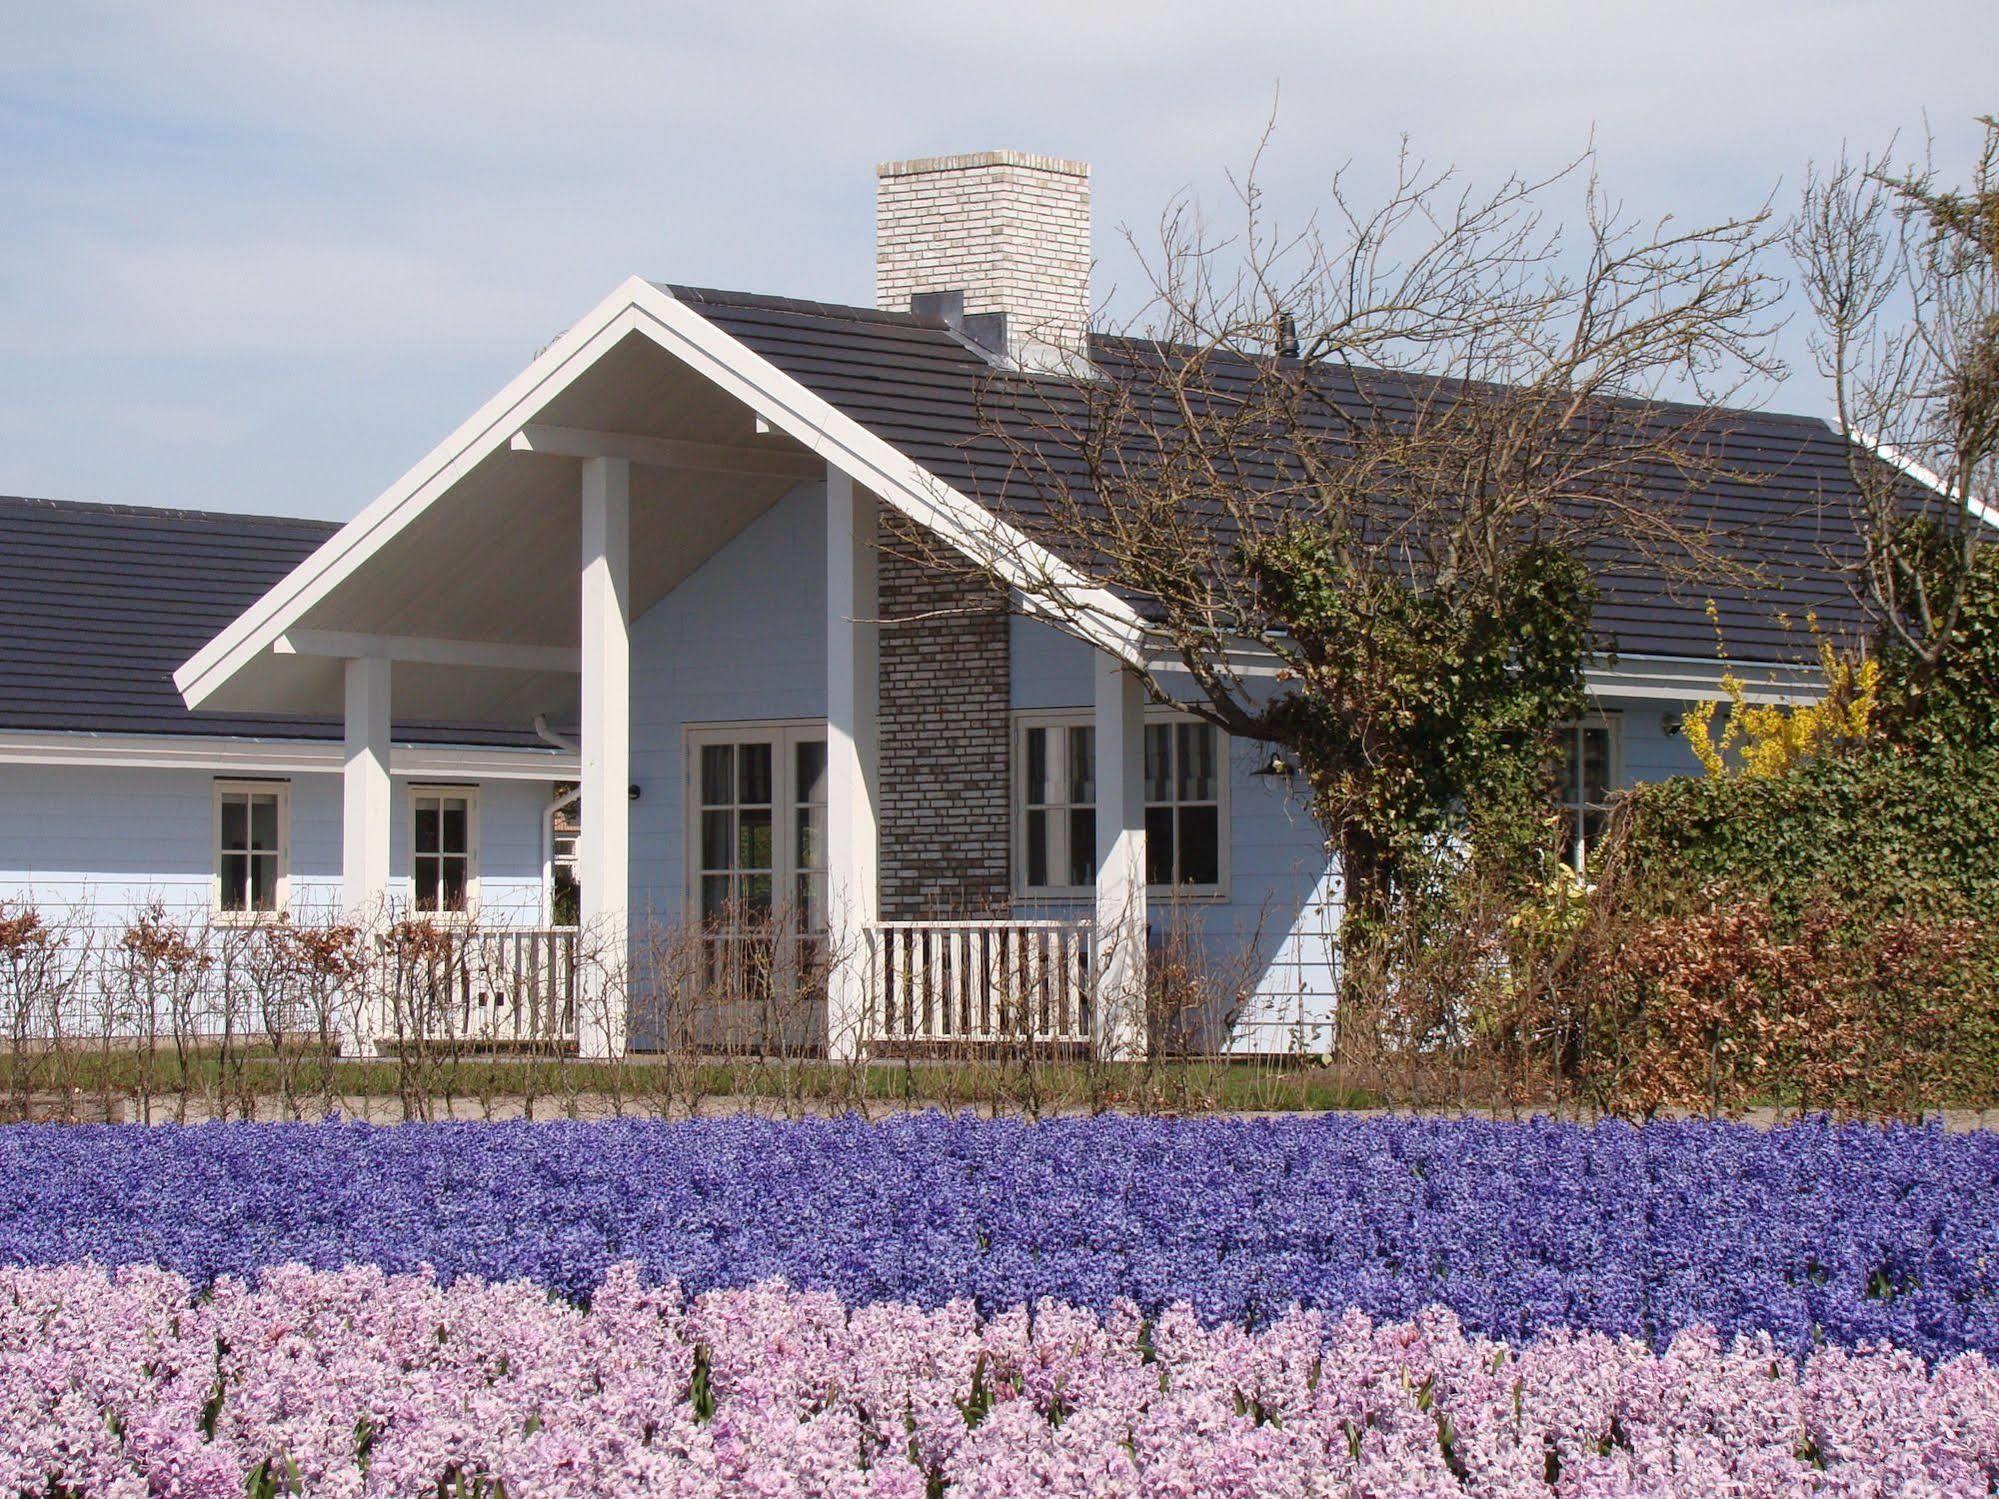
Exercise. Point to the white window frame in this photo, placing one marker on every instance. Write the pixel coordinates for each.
(784, 735)
(1058, 727)
(1612, 722)
(417, 791)
(1074, 718)
(551, 861)
(281, 886)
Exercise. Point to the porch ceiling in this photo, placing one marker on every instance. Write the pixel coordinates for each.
(495, 558)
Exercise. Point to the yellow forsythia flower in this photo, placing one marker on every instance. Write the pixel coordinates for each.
(1773, 737)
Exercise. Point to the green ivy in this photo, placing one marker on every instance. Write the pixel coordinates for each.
(1423, 707)
(1907, 830)
(1949, 700)
(1904, 824)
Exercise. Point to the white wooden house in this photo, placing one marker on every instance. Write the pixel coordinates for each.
(639, 591)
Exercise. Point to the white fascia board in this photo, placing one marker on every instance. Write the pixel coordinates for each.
(1245, 659)
(483, 763)
(232, 756)
(1923, 474)
(1681, 679)
(639, 306)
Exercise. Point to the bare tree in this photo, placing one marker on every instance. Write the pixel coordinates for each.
(1903, 276)
(1359, 478)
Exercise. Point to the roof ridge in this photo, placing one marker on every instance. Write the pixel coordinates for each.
(160, 512)
(770, 302)
(1111, 340)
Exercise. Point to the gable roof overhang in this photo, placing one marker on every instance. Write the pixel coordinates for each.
(470, 558)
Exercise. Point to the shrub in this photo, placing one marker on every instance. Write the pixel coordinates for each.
(1725, 1007)
(1771, 738)
(1882, 830)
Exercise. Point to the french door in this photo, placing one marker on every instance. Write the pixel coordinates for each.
(756, 863)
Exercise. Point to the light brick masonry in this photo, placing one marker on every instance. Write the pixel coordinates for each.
(1010, 229)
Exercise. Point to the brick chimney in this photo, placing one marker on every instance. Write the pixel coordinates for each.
(997, 242)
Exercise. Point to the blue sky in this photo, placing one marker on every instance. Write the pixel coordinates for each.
(262, 256)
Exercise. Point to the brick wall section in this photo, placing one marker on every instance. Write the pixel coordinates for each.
(945, 691)
(1012, 231)
(1008, 228)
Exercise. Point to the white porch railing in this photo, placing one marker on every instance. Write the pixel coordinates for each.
(489, 986)
(503, 988)
(980, 981)
(484, 986)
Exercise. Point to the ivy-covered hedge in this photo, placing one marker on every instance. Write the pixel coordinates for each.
(1880, 830)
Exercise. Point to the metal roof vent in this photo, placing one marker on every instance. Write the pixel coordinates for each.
(983, 331)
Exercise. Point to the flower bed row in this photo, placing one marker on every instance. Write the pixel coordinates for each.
(351, 1382)
(1813, 1234)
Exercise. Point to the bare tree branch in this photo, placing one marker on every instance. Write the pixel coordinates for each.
(1903, 278)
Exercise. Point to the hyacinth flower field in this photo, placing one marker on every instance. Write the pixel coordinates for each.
(934, 1306)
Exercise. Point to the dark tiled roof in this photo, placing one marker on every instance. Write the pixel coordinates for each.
(100, 604)
(1785, 505)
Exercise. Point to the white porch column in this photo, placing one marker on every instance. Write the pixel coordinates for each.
(1120, 913)
(852, 710)
(364, 821)
(606, 750)
(364, 826)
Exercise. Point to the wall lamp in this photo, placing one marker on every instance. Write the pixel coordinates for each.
(1276, 768)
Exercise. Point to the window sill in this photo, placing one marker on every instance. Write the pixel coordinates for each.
(1155, 895)
(249, 919)
(446, 919)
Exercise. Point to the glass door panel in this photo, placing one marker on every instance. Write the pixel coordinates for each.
(758, 865)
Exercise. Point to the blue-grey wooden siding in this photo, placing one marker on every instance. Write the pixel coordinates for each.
(112, 841)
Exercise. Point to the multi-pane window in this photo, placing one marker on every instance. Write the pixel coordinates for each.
(1185, 788)
(1588, 776)
(250, 836)
(565, 828)
(1183, 805)
(759, 824)
(738, 852)
(808, 863)
(443, 847)
(1060, 788)
(757, 855)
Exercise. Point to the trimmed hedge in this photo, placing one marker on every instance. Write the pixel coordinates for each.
(1879, 830)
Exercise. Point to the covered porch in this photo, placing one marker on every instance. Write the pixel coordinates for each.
(511, 577)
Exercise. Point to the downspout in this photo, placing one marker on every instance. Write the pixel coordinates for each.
(550, 737)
